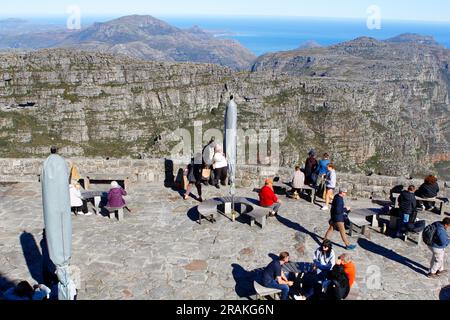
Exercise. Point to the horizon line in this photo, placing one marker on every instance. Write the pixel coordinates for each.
(167, 15)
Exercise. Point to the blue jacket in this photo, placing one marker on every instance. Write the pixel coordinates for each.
(441, 239)
(322, 168)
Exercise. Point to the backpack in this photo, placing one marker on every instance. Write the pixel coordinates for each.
(429, 233)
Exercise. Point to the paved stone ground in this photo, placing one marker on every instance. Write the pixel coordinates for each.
(161, 252)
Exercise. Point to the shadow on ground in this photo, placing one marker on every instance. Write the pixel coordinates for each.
(297, 227)
(392, 255)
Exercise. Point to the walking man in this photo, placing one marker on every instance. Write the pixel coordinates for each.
(440, 241)
(337, 221)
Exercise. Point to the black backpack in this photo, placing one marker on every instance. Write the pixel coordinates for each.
(429, 234)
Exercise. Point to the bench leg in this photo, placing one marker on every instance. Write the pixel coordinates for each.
(262, 222)
(375, 221)
(441, 207)
(350, 231)
(313, 195)
(120, 214)
(252, 221)
(97, 201)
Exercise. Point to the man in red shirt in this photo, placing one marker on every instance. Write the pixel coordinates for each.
(268, 199)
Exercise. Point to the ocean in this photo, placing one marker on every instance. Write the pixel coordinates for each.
(270, 34)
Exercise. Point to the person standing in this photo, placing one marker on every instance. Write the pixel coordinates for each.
(310, 168)
(337, 221)
(220, 165)
(330, 185)
(273, 276)
(208, 155)
(407, 206)
(440, 241)
(268, 198)
(194, 176)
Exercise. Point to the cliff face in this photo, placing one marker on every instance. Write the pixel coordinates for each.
(394, 121)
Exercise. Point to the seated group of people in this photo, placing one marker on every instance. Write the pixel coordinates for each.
(328, 279)
(408, 205)
(79, 205)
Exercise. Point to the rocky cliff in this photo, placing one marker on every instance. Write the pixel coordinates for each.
(370, 110)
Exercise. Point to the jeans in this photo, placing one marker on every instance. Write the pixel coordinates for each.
(403, 222)
(283, 287)
(275, 207)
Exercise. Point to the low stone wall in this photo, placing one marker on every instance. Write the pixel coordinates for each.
(164, 171)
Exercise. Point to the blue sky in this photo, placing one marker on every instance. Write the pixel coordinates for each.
(430, 10)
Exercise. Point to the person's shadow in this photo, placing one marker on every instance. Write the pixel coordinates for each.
(40, 266)
(32, 255)
(444, 294)
(392, 255)
(297, 227)
(244, 280)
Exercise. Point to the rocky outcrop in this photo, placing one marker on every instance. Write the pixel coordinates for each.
(393, 121)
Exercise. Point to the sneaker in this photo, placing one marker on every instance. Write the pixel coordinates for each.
(325, 208)
(217, 186)
(296, 297)
(432, 275)
(422, 206)
(88, 213)
(351, 247)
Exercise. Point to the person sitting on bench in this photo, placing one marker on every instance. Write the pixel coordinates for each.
(273, 276)
(298, 182)
(268, 199)
(407, 206)
(429, 189)
(115, 197)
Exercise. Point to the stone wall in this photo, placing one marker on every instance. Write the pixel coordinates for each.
(163, 171)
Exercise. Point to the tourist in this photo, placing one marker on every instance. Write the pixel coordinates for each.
(220, 166)
(337, 287)
(273, 276)
(330, 185)
(310, 168)
(77, 204)
(429, 189)
(324, 258)
(115, 196)
(268, 199)
(440, 241)
(338, 217)
(194, 176)
(208, 155)
(407, 206)
(298, 182)
(24, 291)
(322, 167)
(349, 267)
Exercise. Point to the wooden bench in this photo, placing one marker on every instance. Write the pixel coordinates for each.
(259, 215)
(262, 291)
(414, 236)
(209, 210)
(116, 211)
(122, 180)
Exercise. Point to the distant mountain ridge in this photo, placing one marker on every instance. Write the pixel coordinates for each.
(143, 37)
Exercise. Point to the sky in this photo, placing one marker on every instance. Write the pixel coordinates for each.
(430, 10)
